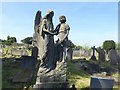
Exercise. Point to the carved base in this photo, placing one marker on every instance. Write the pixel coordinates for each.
(51, 85)
(52, 79)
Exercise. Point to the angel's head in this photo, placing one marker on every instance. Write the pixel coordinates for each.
(49, 14)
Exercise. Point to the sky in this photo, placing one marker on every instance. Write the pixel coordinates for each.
(91, 23)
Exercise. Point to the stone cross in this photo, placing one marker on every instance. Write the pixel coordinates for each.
(93, 57)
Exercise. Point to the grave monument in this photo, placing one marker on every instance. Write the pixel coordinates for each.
(52, 70)
(113, 56)
(101, 54)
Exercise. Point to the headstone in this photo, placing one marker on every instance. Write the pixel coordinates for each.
(87, 53)
(76, 53)
(28, 67)
(113, 57)
(101, 54)
(69, 53)
(28, 62)
(100, 83)
(24, 52)
(35, 52)
(16, 52)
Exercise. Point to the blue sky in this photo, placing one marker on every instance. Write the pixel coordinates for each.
(91, 23)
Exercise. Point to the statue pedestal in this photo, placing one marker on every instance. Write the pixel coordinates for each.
(52, 79)
(51, 85)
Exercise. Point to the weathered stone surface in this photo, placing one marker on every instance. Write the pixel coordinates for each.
(62, 30)
(52, 78)
(28, 62)
(23, 76)
(69, 53)
(51, 85)
(56, 75)
(93, 57)
(18, 52)
(101, 54)
(28, 67)
(53, 66)
(101, 83)
(35, 52)
(113, 56)
(76, 53)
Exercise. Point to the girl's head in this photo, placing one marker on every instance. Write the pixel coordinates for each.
(62, 19)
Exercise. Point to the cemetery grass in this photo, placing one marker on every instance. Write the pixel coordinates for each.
(75, 75)
(81, 78)
(9, 71)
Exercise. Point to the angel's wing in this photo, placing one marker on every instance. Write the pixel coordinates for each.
(37, 21)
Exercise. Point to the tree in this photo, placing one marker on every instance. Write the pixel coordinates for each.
(2, 42)
(13, 39)
(8, 37)
(7, 42)
(78, 47)
(27, 40)
(109, 44)
(10, 40)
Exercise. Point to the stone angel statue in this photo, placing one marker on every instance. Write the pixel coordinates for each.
(43, 38)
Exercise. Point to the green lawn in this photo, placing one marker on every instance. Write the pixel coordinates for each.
(75, 75)
(7, 73)
(80, 78)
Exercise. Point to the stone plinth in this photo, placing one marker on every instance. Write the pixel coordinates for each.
(52, 78)
(51, 85)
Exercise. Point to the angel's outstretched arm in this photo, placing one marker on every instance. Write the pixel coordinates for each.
(47, 32)
(44, 28)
